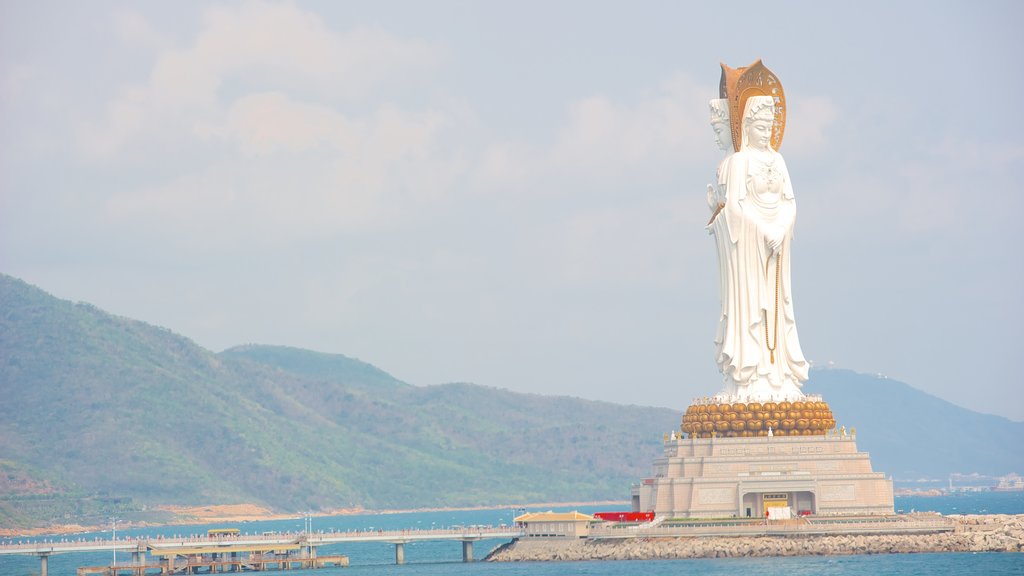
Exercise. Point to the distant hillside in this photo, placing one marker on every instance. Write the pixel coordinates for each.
(97, 407)
(103, 414)
(911, 434)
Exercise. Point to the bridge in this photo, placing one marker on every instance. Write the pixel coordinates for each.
(300, 548)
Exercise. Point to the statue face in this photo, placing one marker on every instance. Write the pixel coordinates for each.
(759, 134)
(723, 137)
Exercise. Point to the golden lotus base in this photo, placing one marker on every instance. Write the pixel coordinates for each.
(712, 418)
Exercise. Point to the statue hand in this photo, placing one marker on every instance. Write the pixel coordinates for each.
(775, 242)
(712, 197)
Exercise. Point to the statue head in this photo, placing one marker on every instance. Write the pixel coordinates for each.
(740, 84)
(758, 118)
(720, 123)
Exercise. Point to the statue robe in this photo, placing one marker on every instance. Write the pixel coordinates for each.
(759, 204)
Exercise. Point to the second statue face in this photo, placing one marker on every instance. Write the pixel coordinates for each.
(723, 138)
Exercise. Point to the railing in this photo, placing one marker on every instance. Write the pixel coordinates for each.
(54, 547)
(468, 533)
(313, 539)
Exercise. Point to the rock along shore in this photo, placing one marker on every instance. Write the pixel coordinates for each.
(974, 533)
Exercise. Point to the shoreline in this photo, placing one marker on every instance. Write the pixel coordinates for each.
(231, 513)
(974, 533)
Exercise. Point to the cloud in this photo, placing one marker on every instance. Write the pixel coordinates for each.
(265, 123)
(807, 123)
(606, 136)
(506, 166)
(17, 81)
(134, 29)
(606, 142)
(963, 197)
(601, 194)
(251, 47)
(296, 170)
(623, 246)
(271, 127)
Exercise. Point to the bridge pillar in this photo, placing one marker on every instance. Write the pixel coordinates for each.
(44, 562)
(467, 550)
(399, 553)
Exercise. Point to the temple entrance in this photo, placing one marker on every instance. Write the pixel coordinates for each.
(757, 504)
(777, 503)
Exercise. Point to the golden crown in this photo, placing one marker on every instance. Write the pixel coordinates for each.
(737, 85)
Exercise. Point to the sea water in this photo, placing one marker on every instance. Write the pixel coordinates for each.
(443, 558)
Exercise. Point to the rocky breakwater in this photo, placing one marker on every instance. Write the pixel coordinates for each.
(973, 533)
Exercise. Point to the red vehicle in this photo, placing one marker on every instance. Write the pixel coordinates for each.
(625, 516)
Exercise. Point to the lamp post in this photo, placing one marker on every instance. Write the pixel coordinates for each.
(113, 529)
(309, 530)
(514, 512)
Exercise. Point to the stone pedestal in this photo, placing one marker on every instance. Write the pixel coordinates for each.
(726, 477)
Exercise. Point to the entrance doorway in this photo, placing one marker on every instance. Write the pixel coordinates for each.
(800, 503)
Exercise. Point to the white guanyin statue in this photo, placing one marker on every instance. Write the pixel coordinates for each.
(756, 345)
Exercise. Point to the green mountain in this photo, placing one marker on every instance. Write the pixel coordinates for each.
(98, 406)
(102, 414)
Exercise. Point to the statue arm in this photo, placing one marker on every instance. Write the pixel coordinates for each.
(717, 193)
(715, 206)
(733, 180)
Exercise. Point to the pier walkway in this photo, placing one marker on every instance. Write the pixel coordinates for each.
(301, 547)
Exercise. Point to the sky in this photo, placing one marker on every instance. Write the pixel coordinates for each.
(512, 193)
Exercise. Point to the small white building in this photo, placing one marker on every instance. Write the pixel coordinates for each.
(555, 524)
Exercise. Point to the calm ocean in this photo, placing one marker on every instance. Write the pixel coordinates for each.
(442, 558)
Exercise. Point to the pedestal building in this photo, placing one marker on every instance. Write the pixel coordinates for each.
(756, 476)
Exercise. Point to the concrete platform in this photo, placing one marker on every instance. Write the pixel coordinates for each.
(745, 477)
